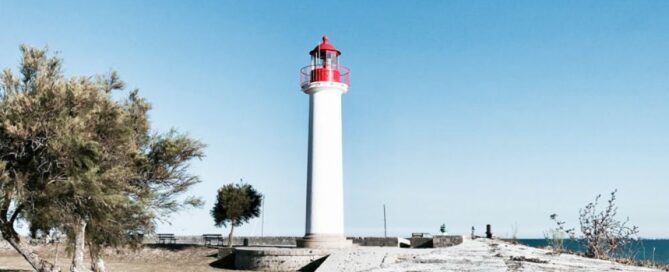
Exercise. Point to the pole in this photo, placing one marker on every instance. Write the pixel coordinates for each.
(262, 219)
(385, 233)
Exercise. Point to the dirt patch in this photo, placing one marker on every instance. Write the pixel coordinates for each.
(149, 258)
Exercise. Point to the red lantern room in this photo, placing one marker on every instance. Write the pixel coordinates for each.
(324, 65)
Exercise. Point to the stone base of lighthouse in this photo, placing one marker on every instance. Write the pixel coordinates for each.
(324, 241)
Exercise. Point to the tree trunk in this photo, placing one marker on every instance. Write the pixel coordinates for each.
(97, 264)
(35, 261)
(55, 260)
(79, 242)
(232, 228)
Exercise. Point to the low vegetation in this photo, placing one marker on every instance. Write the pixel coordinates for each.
(602, 235)
(555, 236)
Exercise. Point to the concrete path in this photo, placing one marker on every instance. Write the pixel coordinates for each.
(471, 255)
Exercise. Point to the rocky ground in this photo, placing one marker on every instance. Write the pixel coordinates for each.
(471, 255)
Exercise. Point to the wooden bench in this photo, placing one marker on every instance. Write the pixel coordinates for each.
(136, 237)
(166, 238)
(209, 238)
(420, 235)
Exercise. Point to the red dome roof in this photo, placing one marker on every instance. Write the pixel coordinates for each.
(324, 47)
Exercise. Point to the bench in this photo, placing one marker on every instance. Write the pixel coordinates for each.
(136, 237)
(209, 238)
(166, 238)
(420, 235)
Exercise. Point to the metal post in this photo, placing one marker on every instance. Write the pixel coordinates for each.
(262, 218)
(385, 233)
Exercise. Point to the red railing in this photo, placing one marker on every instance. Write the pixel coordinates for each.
(314, 73)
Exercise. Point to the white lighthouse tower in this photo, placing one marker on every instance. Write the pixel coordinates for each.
(325, 81)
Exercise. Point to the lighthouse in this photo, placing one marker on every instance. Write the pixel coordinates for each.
(325, 81)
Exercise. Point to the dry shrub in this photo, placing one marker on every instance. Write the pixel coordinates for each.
(602, 234)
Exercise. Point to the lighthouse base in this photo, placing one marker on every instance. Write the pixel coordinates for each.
(324, 241)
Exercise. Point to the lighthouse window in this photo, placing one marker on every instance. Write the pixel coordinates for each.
(325, 61)
(329, 59)
(333, 57)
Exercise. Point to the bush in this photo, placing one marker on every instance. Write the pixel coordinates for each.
(555, 236)
(603, 236)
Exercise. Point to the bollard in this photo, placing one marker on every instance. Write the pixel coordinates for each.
(488, 231)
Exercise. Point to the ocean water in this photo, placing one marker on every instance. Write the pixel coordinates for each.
(645, 249)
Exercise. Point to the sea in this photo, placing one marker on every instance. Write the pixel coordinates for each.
(656, 250)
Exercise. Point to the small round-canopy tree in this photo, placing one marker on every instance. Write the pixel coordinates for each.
(235, 205)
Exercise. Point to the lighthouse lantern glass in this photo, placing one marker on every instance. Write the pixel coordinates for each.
(326, 59)
(324, 66)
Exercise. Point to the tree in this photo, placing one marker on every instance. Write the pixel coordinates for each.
(161, 177)
(235, 205)
(72, 158)
(442, 228)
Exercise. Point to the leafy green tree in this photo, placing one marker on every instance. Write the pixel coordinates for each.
(236, 204)
(74, 159)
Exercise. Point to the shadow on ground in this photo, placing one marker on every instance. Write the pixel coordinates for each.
(311, 267)
(225, 258)
(227, 262)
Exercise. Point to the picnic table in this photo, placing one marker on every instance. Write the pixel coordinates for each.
(210, 238)
(166, 238)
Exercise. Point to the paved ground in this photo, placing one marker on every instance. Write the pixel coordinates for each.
(471, 255)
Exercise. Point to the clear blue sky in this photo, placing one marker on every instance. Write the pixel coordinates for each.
(459, 112)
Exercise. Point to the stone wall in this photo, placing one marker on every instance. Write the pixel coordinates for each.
(446, 240)
(278, 259)
(421, 242)
(238, 241)
(376, 241)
